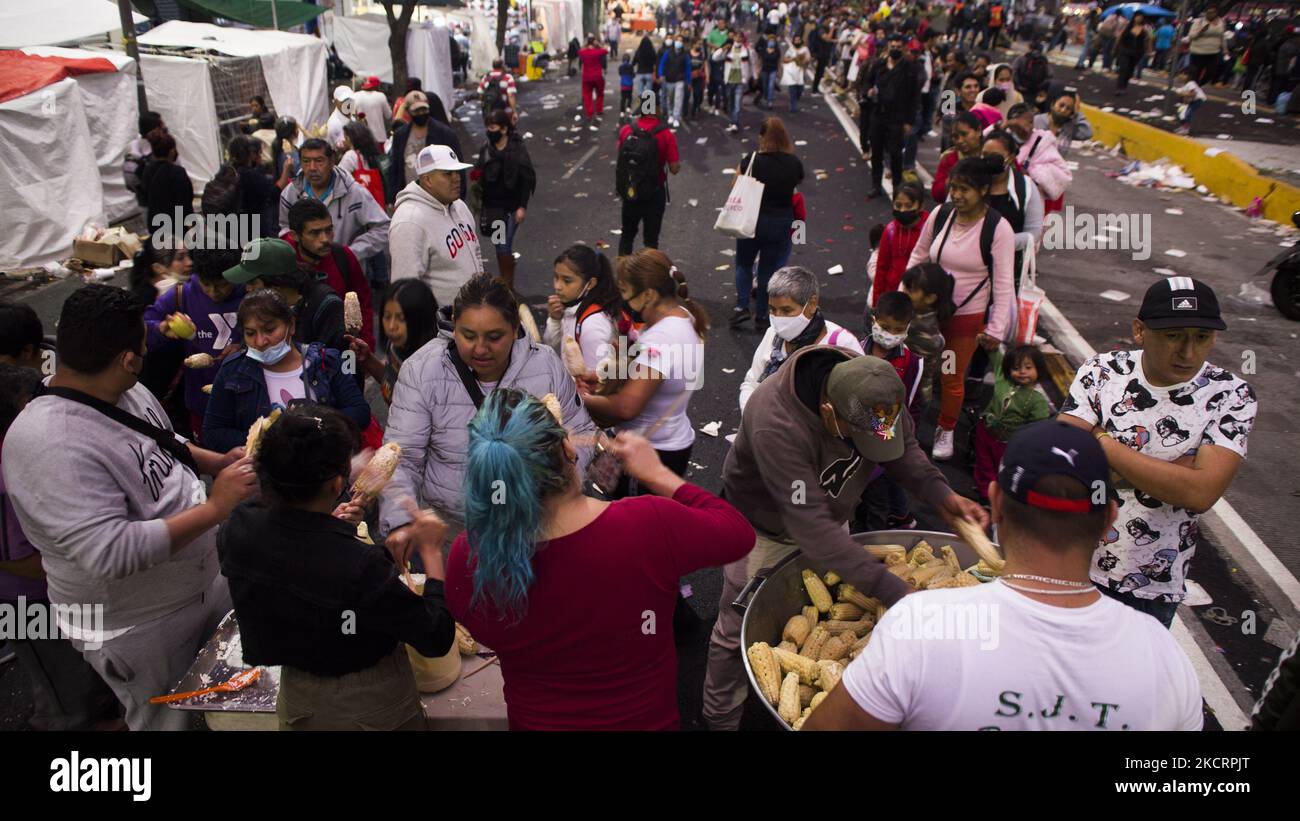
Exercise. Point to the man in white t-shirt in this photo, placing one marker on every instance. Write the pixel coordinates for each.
(1039, 649)
(344, 108)
(1174, 428)
(372, 103)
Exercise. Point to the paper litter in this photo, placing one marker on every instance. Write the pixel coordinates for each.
(1166, 272)
(712, 429)
(1177, 212)
(1174, 252)
(835, 269)
(1114, 296)
(728, 370)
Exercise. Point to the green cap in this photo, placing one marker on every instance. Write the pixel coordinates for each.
(263, 257)
(867, 392)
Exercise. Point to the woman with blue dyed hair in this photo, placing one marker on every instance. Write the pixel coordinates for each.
(575, 594)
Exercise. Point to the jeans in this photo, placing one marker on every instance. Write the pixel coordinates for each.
(697, 95)
(1163, 611)
(768, 86)
(1088, 37)
(735, 92)
(640, 84)
(771, 246)
(1191, 109)
(651, 213)
(675, 93)
(511, 226)
(795, 92)
(715, 85)
(1158, 63)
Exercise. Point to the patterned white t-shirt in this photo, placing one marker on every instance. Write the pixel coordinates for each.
(1148, 551)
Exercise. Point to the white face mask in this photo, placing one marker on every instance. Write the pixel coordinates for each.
(885, 339)
(789, 327)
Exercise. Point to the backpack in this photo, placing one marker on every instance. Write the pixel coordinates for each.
(622, 323)
(995, 17)
(1034, 72)
(133, 168)
(221, 195)
(636, 176)
(492, 96)
(991, 219)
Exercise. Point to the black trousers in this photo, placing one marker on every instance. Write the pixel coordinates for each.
(1127, 63)
(817, 78)
(864, 124)
(675, 460)
(886, 138)
(651, 213)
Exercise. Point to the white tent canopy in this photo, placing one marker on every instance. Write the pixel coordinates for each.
(112, 111)
(362, 45)
(482, 38)
(293, 65)
(180, 89)
(562, 20)
(49, 180)
(47, 22)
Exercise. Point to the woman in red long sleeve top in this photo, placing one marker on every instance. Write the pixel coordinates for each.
(967, 136)
(576, 595)
(897, 242)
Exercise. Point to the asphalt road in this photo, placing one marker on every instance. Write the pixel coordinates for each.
(575, 202)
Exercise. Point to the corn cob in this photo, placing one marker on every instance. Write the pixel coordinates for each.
(895, 558)
(817, 699)
(831, 578)
(813, 645)
(817, 592)
(529, 323)
(377, 472)
(573, 360)
(363, 533)
(950, 557)
(860, 645)
(857, 627)
(352, 313)
(763, 662)
(552, 403)
(811, 615)
(920, 555)
(844, 611)
(795, 663)
(789, 647)
(206, 389)
(199, 360)
(828, 674)
(806, 693)
(837, 648)
(902, 571)
(922, 576)
(849, 593)
(788, 705)
(798, 722)
(796, 630)
(256, 430)
(884, 551)
(973, 535)
(465, 643)
(880, 612)
(962, 579)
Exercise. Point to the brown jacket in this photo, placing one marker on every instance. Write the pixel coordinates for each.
(793, 479)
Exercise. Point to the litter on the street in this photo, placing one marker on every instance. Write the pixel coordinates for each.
(1174, 252)
(1114, 296)
(835, 269)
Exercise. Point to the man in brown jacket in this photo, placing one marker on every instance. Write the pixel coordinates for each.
(809, 440)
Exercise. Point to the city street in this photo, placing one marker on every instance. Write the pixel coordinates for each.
(1247, 564)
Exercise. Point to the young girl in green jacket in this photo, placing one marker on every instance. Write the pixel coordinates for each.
(1016, 402)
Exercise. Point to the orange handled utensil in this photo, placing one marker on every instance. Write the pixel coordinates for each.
(237, 682)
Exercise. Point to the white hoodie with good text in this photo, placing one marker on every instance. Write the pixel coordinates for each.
(435, 242)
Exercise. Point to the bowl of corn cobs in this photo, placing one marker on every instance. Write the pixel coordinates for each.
(802, 624)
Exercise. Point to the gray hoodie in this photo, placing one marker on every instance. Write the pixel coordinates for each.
(794, 480)
(435, 242)
(360, 223)
(430, 418)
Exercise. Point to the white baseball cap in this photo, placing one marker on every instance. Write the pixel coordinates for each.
(342, 93)
(438, 158)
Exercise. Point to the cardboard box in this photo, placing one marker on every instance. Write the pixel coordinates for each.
(111, 247)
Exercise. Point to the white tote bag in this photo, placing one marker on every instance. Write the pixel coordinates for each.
(739, 216)
(1028, 301)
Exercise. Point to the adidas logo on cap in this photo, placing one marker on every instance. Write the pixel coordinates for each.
(1185, 303)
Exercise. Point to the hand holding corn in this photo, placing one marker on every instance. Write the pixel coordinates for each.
(352, 320)
(376, 474)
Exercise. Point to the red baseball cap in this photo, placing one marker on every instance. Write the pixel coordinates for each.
(371, 82)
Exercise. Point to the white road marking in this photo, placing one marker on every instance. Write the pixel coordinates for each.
(579, 163)
(1213, 690)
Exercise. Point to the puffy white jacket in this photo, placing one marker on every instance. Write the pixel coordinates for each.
(430, 416)
(435, 242)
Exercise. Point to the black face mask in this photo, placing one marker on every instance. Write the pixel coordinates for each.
(906, 217)
(420, 119)
(895, 54)
(1061, 119)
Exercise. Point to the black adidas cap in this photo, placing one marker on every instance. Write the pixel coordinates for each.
(1052, 448)
(1181, 302)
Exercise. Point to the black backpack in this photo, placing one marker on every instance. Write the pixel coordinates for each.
(493, 98)
(221, 195)
(1034, 73)
(636, 177)
(991, 219)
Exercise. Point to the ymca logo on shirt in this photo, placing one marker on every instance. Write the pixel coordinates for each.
(458, 236)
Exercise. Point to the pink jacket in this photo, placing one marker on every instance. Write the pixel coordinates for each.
(1041, 159)
(961, 258)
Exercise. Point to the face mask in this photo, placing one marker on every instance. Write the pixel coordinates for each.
(836, 423)
(420, 119)
(906, 217)
(677, 45)
(1007, 87)
(271, 355)
(885, 339)
(895, 54)
(789, 327)
(1061, 119)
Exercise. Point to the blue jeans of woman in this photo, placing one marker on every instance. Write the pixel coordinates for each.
(771, 247)
(795, 92)
(769, 86)
(735, 93)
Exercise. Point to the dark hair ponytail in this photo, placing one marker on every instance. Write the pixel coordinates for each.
(486, 290)
(977, 172)
(306, 447)
(651, 270)
(592, 264)
(930, 278)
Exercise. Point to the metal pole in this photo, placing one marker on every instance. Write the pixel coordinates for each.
(1171, 102)
(275, 18)
(132, 49)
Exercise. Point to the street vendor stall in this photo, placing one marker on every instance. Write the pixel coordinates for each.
(475, 702)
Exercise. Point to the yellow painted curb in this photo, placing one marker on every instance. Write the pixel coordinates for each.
(1225, 174)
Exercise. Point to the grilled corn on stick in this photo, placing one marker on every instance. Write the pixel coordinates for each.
(788, 705)
(573, 360)
(530, 324)
(552, 403)
(256, 430)
(950, 557)
(973, 535)
(377, 472)
(464, 641)
(200, 360)
(766, 672)
(352, 313)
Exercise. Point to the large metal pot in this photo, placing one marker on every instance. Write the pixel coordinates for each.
(776, 593)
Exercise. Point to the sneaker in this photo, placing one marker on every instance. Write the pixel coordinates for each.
(876, 193)
(942, 450)
(733, 128)
(739, 316)
(904, 522)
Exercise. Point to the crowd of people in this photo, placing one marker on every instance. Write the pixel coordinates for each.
(542, 484)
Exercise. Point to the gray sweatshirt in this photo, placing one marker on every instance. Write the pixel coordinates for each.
(783, 442)
(91, 495)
